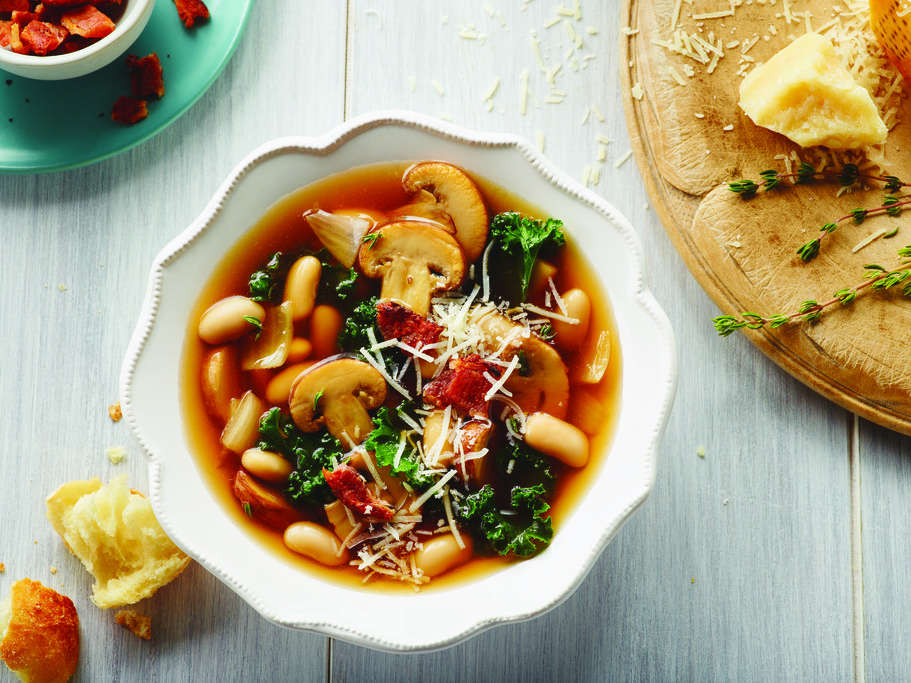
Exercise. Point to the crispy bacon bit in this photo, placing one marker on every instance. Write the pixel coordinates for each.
(42, 37)
(88, 22)
(5, 29)
(350, 487)
(129, 110)
(191, 10)
(13, 5)
(463, 385)
(15, 44)
(146, 75)
(400, 322)
(24, 18)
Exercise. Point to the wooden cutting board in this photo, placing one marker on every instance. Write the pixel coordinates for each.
(689, 140)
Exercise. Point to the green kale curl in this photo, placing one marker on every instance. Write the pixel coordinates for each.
(262, 282)
(521, 239)
(523, 530)
(353, 336)
(310, 453)
(386, 440)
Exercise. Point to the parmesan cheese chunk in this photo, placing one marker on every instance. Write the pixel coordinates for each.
(805, 93)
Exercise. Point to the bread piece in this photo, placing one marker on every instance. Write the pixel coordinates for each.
(113, 531)
(39, 629)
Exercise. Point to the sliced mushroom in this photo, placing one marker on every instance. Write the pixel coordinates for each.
(424, 205)
(415, 260)
(263, 503)
(337, 393)
(340, 232)
(544, 382)
(458, 196)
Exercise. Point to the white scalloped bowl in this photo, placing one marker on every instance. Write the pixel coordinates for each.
(289, 596)
(136, 15)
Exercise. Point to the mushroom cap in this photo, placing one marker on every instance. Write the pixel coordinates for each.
(349, 388)
(419, 241)
(460, 198)
(415, 259)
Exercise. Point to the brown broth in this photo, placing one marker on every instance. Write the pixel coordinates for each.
(283, 228)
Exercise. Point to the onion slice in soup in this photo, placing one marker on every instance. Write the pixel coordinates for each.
(243, 428)
(269, 349)
(594, 370)
(341, 233)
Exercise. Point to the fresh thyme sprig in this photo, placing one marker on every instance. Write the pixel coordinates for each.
(877, 278)
(846, 176)
(891, 205)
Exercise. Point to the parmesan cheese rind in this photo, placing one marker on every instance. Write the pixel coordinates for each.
(805, 93)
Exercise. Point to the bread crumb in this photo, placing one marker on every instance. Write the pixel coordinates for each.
(62, 287)
(116, 454)
(701, 452)
(115, 411)
(53, 569)
(139, 624)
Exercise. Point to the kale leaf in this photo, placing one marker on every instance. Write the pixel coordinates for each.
(516, 525)
(521, 239)
(385, 441)
(354, 333)
(336, 283)
(262, 282)
(310, 453)
(521, 529)
(526, 466)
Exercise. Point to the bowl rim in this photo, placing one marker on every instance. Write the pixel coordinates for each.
(133, 16)
(638, 292)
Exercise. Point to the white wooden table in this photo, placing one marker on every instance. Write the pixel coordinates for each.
(782, 554)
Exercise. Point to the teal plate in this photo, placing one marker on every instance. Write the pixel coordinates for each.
(57, 125)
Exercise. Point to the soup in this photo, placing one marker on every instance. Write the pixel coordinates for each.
(401, 373)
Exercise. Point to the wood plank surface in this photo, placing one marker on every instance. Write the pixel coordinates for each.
(738, 567)
(77, 248)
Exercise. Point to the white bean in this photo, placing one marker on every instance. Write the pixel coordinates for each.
(300, 350)
(571, 335)
(266, 465)
(301, 284)
(557, 438)
(442, 553)
(278, 391)
(325, 325)
(316, 542)
(226, 320)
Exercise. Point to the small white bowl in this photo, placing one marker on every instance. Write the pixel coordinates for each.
(91, 58)
(293, 597)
